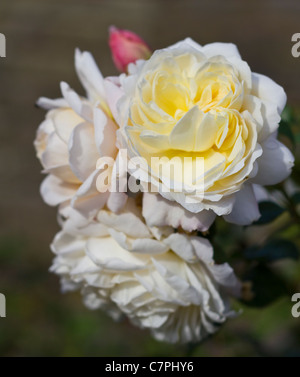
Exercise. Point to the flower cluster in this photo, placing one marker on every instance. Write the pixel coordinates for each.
(192, 131)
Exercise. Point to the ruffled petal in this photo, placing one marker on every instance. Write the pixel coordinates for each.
(55, 191)
(245, 209)
(89, 75)
(275, 164)
(161, 212)
(83, 153)
(267, 89)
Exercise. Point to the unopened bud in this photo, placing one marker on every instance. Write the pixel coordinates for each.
(127, 47)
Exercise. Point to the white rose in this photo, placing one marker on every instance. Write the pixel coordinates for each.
(78, 131)
(164, 281)
(203, 101)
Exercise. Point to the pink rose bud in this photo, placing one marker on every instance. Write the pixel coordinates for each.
(127, 47)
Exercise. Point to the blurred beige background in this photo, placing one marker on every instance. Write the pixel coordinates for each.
(41, 38)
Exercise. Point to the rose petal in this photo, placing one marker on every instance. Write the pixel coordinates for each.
(219, 48)
(55, 191)
(65, 120)
(275, 164)
(116, 201)
(113, 94)
(106, 253)
(81, 107)
(181, 245)
(127, 223)
(245, 209)
(89, 75)
(49, 104)
(88, 200)
(267, 89)
(159, 212)
(105, 134)
(83, 153)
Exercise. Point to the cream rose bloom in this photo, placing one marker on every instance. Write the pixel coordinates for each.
(164, 281)
(77, 132)
(203, 101)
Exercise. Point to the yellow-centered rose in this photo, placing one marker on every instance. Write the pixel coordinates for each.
(189, 101)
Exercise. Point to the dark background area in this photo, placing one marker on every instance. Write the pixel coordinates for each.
(41, 38)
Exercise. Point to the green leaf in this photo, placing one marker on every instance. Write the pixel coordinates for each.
(287, 115)
(266, 286)
(269, 212)
(285, 127)
(296, 198)
(274, 250)
(286, 130)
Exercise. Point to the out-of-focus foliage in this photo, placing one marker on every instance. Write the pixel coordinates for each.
(269, 212)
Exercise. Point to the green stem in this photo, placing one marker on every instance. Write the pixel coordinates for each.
(290, 204)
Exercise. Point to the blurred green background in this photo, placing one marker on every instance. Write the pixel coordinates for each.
(41, 38)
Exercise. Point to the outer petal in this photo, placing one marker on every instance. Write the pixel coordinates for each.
(56, 153)
(181, 245)
(186, 44)
(113, 93)
(44, 131)
(271, 120)
(89, 74)
(55, 191)
(80, 106)
(275, 164)
(105, 134)
(245, 209)
(83, 151)
(225, 276)
(219, 48)
(267, 89)
(55, 159)
(160, 212)
(64, 121)
(49, 104)
(191, 249)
